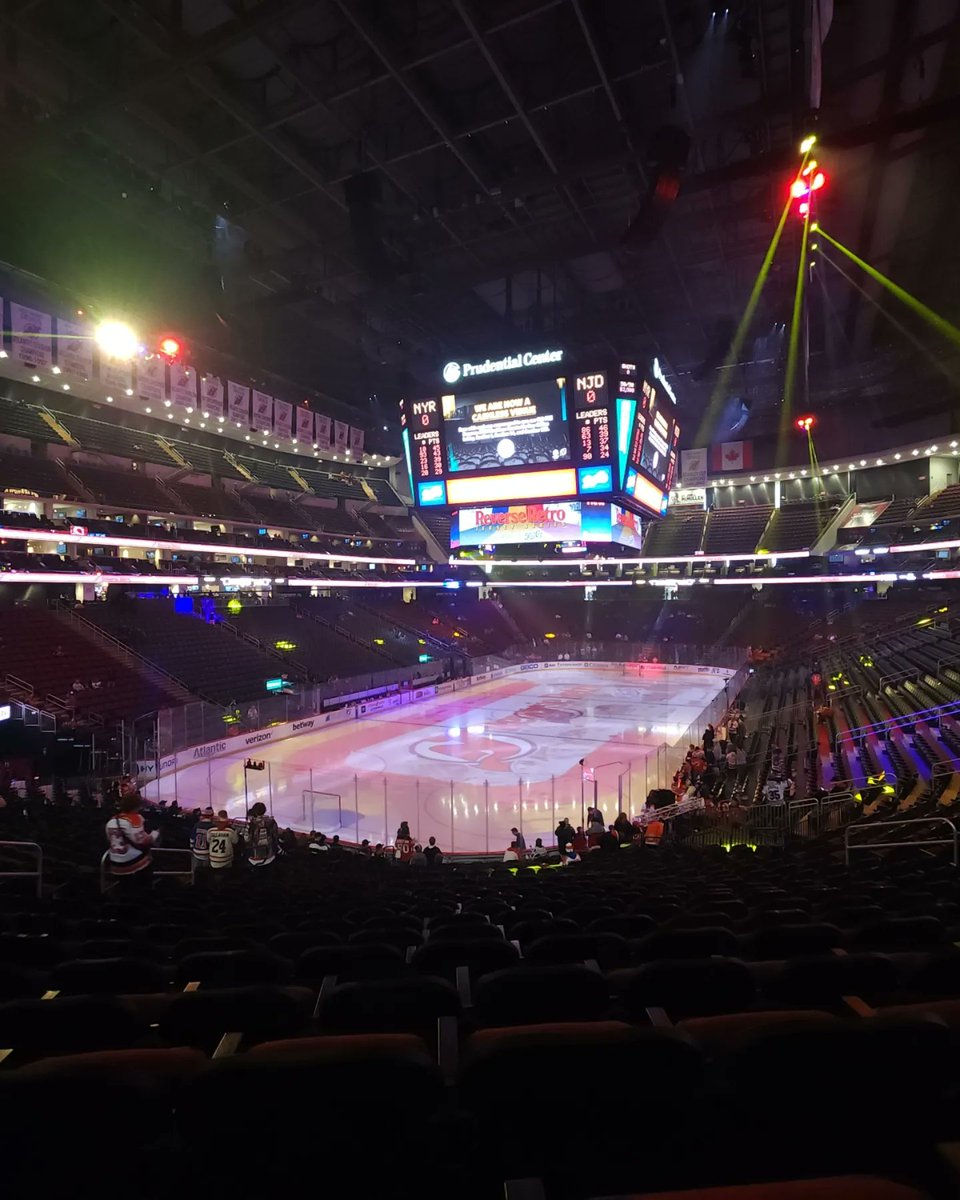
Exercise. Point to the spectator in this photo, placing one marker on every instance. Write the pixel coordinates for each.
(380, 851)
(365, 848)
(624, 828)
(708, 737)
(433, 853)
(569, 855)
(518, 839)
(653, 834)
(221, 842)
(512, 853)
(539, 849)
(564, 833)
(418, 859)
(579, 840)
(198, 839)
(403, 844)
(262, 836)
(609, 841)
(129, 842)
(317, 843)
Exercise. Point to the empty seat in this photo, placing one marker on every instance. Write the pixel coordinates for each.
(825, 978)
(387, 1005)
(847, 1187)
(685, 987)
(534, 994)
(443, 956)
(69, 1025)
(261, 1013)
(349, 962)
(786, 940)
(104, 976)
(685, 943)
(900, 933)
(234, 968)
(608, 949)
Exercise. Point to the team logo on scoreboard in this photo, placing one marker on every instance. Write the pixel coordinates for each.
(451, 372)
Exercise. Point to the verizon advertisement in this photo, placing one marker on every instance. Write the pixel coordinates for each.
(534, 524)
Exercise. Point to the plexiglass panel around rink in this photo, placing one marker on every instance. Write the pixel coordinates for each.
(470, 766)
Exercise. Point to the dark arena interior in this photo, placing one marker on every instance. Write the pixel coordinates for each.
(480, 599)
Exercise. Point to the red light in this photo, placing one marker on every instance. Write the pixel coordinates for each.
(798, 188)
(804, 423)
(170, 347)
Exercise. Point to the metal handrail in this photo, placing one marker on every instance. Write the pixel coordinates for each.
(105, 858)
(37, 851)
(948, 841)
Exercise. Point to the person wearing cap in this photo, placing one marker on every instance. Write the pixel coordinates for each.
(569, 855)
(199, 840)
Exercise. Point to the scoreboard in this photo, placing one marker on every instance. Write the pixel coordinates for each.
(596, 434)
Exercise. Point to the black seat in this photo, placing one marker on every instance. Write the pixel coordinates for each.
(825, 978)
(608, 949)
(261, 1013)
(349, 962)
(387, 1005)
(685, 943)
(233, 968)
(533, 994)
(443, 956)
(786, 940)
(685, 987)
(69, 1025)
(106, 976)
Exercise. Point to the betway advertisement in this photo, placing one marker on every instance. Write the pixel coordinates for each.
(529, 524)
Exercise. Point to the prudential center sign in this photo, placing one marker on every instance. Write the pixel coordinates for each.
(453, 372)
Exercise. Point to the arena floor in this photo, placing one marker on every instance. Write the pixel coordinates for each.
(465, 767)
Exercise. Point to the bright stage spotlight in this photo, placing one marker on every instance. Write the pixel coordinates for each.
(170, 347)
(117, 340)
(804, 423)
(808, 143)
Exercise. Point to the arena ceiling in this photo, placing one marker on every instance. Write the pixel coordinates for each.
(351, 192)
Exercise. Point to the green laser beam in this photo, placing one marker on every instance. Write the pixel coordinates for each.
(943, 326)
(793, 346)
(736, 345)
(911, 337)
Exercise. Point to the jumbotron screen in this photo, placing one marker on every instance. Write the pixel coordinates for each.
(560, 438)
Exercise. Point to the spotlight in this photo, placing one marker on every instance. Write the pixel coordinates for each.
(117, 340)
(170, 347)
(808, 143)
(805, 423)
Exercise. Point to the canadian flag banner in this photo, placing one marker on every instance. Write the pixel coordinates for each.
(283, 418)
(211, 396)
(304, 424)
(731, 456)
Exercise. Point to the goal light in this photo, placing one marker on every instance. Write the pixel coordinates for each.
(117, 340)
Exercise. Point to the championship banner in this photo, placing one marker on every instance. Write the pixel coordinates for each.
(340, 429)
(183, 386)
(32, 337)
(211, 394)
(262, 411)
(693, 468)
(74, 349)
(305, 424)
(116, 376)
(283, 419)
(356, 441)
(323, 432)
(238, 398)
(152, 379)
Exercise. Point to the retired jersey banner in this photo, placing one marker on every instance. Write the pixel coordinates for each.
(183, 386)
(283, 419)
(116, 376)
(323, 432)
(356, 441)
(693, 468)
(340, 431)
(211, 396)
(32, 336)
(238, 398)
(262, 411)
(74, 349)
(152, 379)
(305, 424)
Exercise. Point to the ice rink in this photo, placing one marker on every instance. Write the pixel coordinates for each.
(466, 766)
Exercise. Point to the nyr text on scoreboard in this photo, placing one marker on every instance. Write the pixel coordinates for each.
(532, 435)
